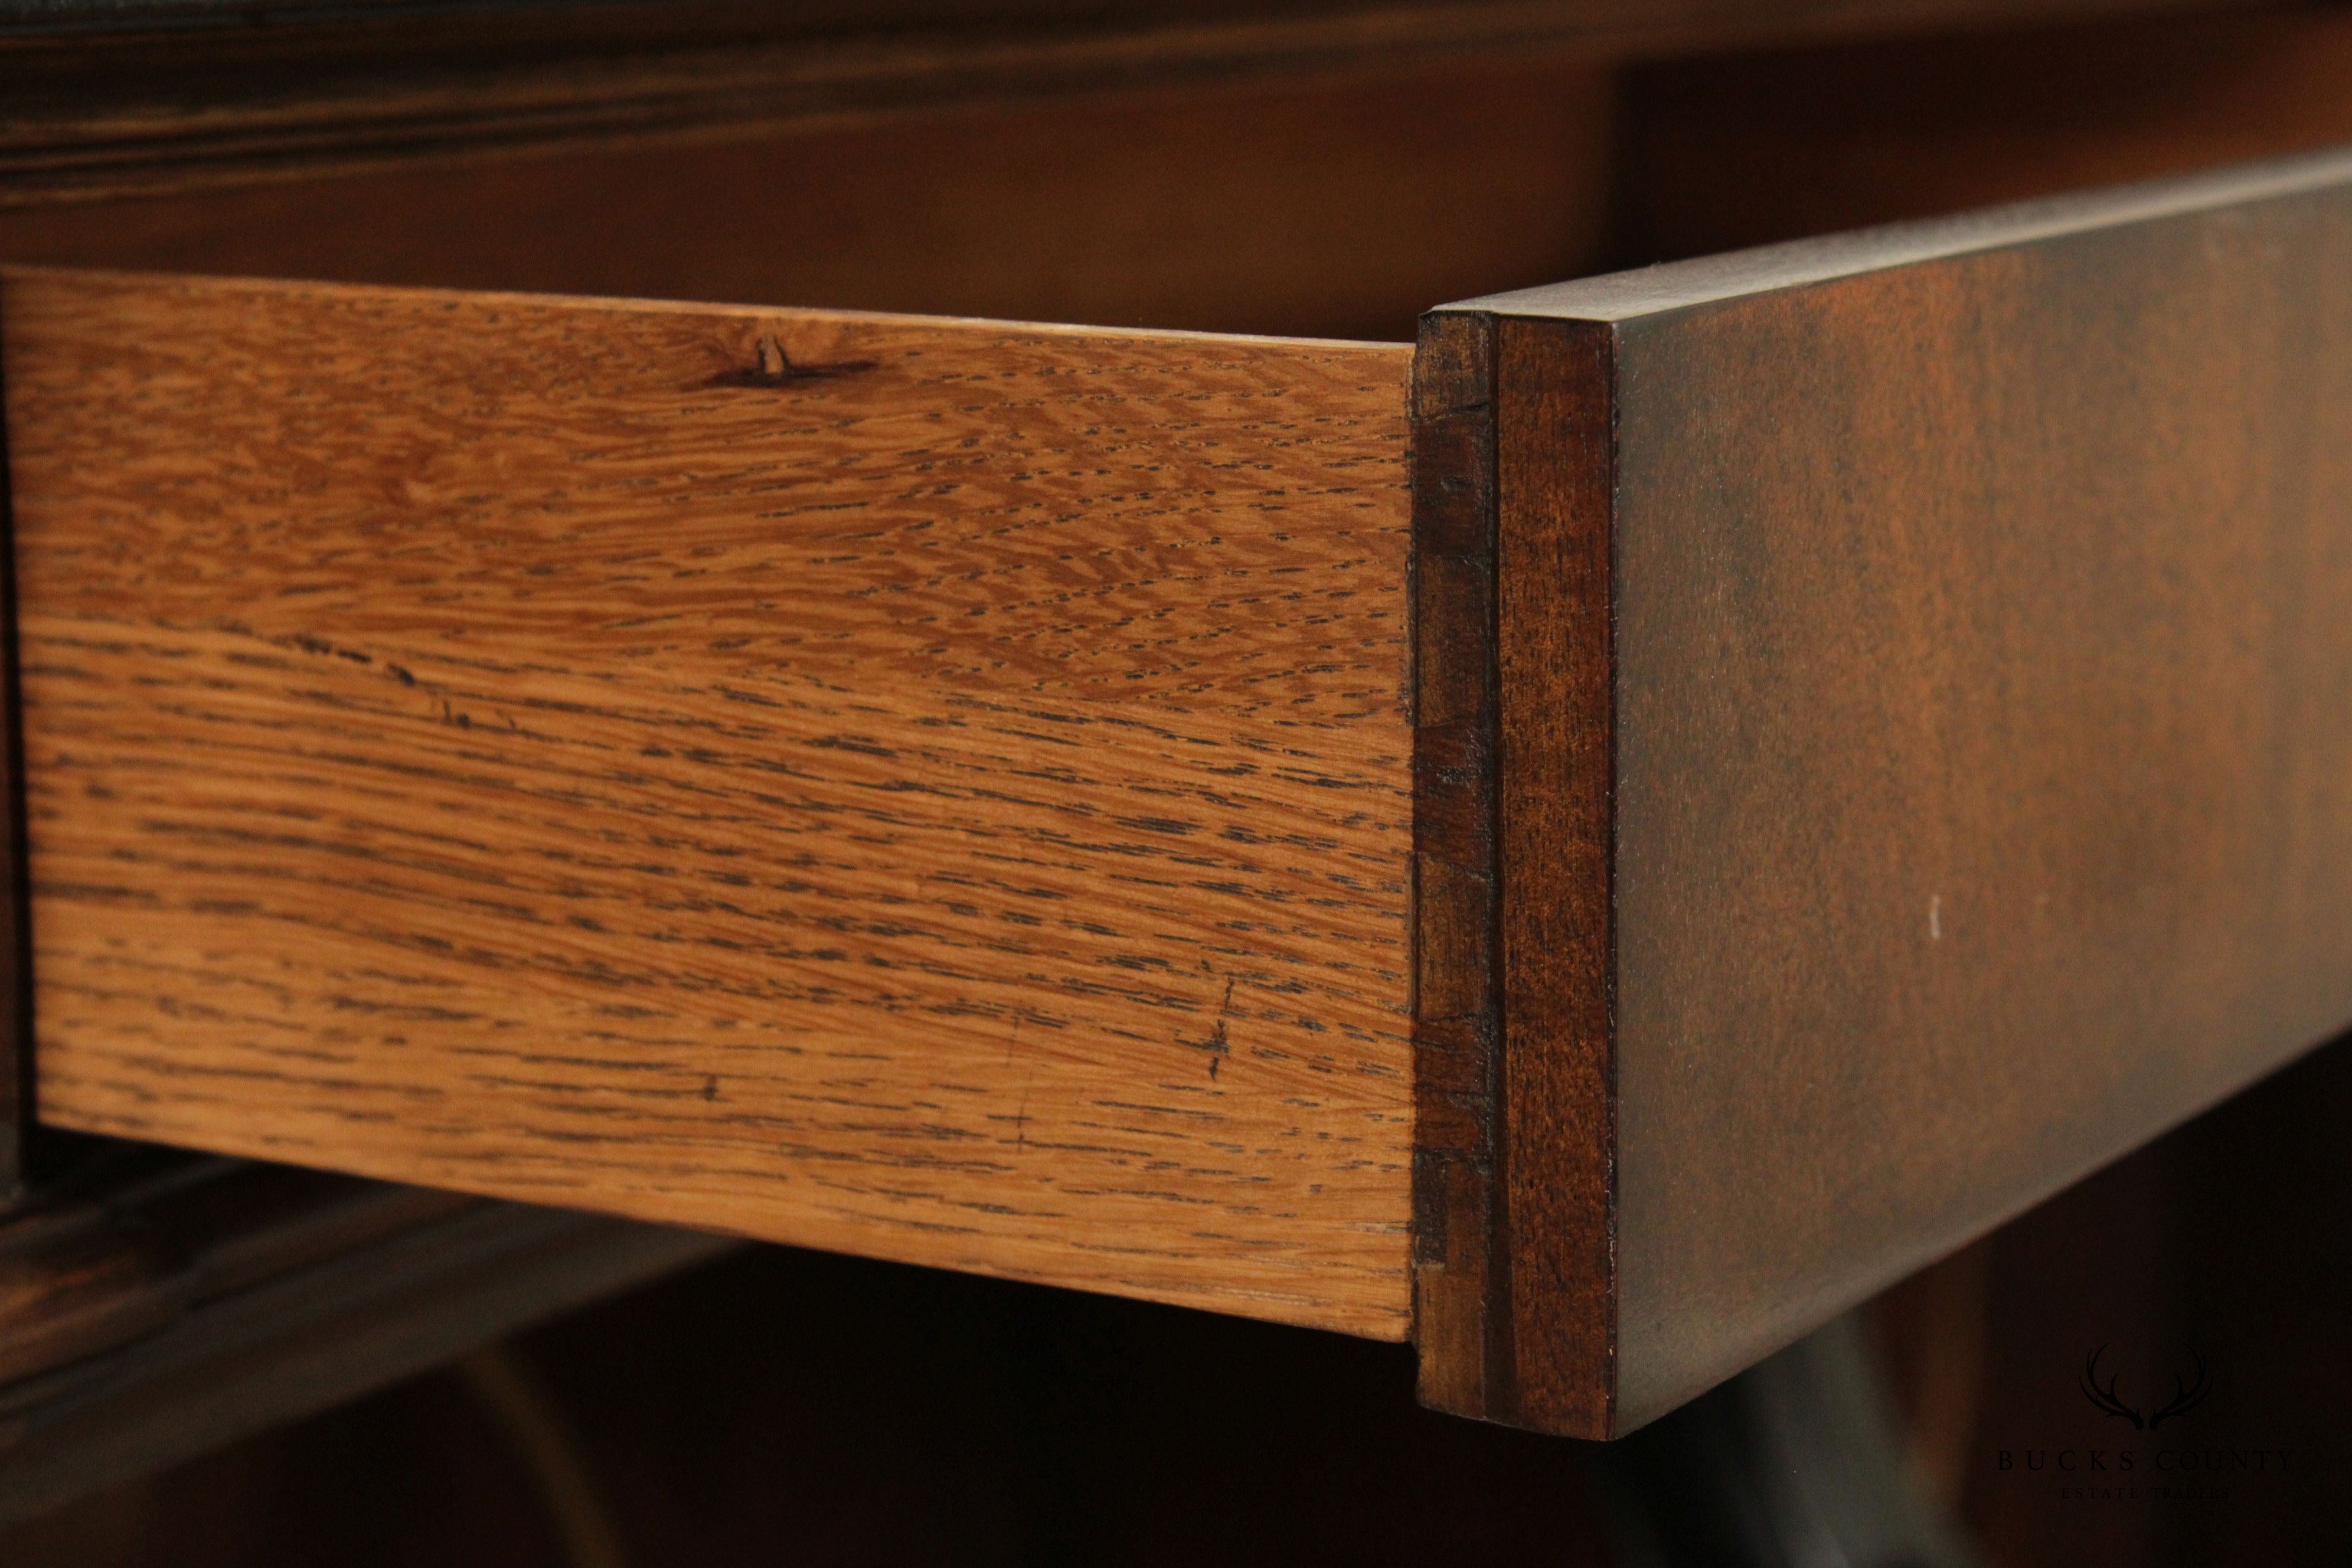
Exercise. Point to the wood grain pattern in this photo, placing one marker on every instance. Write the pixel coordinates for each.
(938, 790)
(1979, 765)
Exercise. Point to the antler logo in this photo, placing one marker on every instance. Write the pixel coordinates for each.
(2188, 1392)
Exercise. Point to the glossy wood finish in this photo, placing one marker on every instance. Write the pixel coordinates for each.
(106, 100)
(1321, 207)
(1980, 797)
(154, 1306)
(130, 1238)
(938, 790)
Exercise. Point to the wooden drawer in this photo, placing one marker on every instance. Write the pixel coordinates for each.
(1831, 744)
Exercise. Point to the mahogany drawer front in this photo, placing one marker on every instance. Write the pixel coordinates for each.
(1920, 745)
(1831, 744)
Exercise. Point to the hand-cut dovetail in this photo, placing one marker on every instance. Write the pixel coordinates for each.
(776, 368)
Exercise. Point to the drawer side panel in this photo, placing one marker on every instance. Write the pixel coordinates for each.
(936, 790)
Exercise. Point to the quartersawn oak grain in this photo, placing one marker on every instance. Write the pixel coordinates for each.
(1975, 794)
(932, 789)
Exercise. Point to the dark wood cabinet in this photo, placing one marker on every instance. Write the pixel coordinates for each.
(1594, 840)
